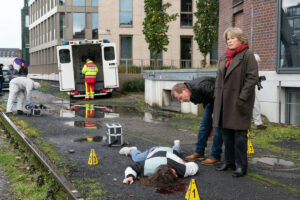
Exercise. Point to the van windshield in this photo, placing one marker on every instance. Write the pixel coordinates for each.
(109, 53)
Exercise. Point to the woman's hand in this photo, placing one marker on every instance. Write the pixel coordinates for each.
(128, 180)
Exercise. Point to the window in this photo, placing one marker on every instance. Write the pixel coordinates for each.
(125, 12)
(78, 2)
(62, 25)
(64, 56)
(293, 106)
(126, 50)
(109, 53)
(186, 14)
(94, 2)
(159, 60)
(288, 56)
(61, 2)
(95, 25)
(27, 21)
(78, 25)
(186, 52)
(236, 2)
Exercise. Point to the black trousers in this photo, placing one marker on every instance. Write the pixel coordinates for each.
(235, 142)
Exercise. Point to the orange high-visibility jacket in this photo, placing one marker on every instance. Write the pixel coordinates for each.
(90, 71)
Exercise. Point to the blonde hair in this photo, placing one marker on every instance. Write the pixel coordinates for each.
(236, 32)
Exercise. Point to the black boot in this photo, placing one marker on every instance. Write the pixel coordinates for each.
(239, 172)
(224, 167)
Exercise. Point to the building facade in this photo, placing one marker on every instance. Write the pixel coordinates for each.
(121, 21)
(53, 21)
(273, 31)
(25, 31)
(8, 55)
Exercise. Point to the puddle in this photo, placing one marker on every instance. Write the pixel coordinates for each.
(98, 112)
(85, 124)
(273, 162)
(91, 139)
(171, 190)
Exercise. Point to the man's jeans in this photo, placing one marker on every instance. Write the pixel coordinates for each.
(138, 156)
(1, 83)
(204, 130)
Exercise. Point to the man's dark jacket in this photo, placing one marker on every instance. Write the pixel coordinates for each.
(202, 90)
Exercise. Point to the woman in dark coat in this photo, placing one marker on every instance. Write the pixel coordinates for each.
(23, 71)
(234, 99)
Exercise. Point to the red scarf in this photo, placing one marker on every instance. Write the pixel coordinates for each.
(230, 53)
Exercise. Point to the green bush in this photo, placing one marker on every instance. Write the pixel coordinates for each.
(133, 85)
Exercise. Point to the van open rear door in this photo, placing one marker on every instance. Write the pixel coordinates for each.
(65, 68)
(110, 67)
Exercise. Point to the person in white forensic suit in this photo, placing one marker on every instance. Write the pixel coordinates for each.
(19, 88)
(256, 108)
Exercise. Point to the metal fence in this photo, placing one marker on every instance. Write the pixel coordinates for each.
(136, 66)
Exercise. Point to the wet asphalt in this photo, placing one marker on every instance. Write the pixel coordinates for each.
(63, 126)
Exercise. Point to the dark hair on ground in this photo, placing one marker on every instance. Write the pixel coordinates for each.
(178, 88)
(162, 178)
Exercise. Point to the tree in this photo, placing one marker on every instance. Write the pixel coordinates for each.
(206, 26)
(155, 26)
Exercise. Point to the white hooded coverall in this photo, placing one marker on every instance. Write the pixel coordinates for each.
(19, 88)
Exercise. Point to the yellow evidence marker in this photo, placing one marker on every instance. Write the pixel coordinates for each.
(192, 192)
(250, 148)
(93, 158)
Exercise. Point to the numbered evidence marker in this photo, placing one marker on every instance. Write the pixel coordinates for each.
(250, 146)
(192, 192)
(93, 158)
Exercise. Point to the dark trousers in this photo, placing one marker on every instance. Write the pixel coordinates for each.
(235, 142)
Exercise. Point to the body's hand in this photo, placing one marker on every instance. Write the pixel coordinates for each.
(128, 180)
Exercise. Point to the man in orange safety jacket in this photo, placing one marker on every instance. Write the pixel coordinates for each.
(90, 71)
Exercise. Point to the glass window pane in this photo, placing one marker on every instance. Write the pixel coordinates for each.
(186, 52)
(186, 5)
(186, 19)
(95, 25)
(62, 2)
(94, 2)
(126, 50)
(125, 5)
(64, 56)
(294, 107)
(125, 18)
(62, 25)
(78, 2)
(78, 25)
(290, 35)
(27, 20)
(109, 53)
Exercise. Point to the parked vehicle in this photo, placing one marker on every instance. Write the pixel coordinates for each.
(71, 59)
(5, 85)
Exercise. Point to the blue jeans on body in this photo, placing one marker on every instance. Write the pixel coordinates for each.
(204, 130)
(137, 155)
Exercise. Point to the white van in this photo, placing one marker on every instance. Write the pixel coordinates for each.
(71, 57)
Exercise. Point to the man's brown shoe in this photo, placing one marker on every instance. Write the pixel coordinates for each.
(195, 156)
(210, 161)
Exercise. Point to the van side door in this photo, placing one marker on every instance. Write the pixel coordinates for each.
(110, 67)
(65, 68)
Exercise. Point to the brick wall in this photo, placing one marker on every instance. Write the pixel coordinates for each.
(259, 23)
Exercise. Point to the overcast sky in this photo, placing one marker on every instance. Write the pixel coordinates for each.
(10, 23)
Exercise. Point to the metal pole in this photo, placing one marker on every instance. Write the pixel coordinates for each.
(279, 103)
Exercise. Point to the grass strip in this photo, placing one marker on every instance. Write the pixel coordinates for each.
(272, 182)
